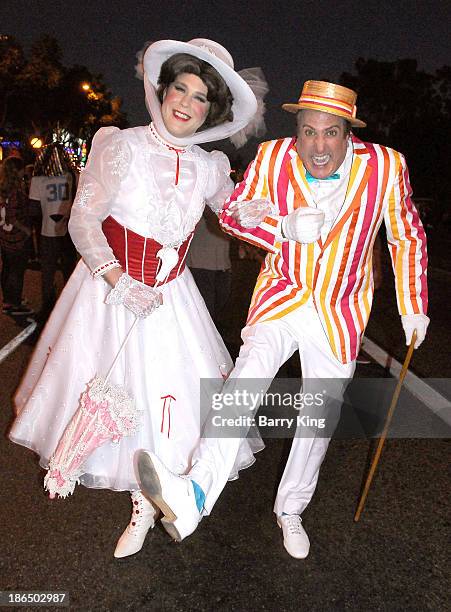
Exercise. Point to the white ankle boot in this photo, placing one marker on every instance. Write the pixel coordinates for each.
(143, 519)
(173, 494)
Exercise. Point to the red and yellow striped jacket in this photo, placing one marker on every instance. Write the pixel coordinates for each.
(336, 272)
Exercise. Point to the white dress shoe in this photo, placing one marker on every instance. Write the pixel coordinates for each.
(173, 494)
(295, 539)
(143, 519)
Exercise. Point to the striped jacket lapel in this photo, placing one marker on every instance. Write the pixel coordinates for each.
(296, 175)
(358, 182)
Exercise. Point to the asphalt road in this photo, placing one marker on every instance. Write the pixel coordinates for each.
(395, 558)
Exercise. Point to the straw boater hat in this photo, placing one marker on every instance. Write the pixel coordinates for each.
(244, 104)
(328, 98)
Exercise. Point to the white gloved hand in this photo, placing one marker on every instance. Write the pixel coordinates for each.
(418, 322)
(303, 225)
(141, 299)
(250, 213)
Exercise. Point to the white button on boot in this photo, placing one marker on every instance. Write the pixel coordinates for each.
(295, 539)
(143, 519)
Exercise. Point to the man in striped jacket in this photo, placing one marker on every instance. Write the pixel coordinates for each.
(327, 193)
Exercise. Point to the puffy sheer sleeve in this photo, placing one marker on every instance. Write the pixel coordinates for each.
(97, 185)
(220, 185)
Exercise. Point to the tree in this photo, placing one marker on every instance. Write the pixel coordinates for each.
(12, 62)
(39, 95)
(409, 110)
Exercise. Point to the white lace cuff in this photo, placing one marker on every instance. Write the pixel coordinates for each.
(139, 298)
(109, 265)
(251, 213)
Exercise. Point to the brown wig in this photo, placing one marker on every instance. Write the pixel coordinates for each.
(11, 178)
(218, 95)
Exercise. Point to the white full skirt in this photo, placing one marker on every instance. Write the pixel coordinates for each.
(167, 355)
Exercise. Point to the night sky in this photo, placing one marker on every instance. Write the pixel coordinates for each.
(291, 41)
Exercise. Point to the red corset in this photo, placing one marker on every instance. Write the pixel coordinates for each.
(137, 254)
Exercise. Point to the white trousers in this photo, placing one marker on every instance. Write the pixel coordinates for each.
(265, 349)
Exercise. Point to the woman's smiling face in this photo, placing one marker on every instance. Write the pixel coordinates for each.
(185, 106)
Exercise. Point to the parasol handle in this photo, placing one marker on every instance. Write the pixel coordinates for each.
(121, 349)
(126, 339)
(157, 283)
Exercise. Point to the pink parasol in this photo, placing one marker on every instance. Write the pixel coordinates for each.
(106, 413)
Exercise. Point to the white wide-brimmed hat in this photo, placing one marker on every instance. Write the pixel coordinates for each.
(244, 104)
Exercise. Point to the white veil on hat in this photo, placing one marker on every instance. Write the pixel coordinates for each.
(244, 105)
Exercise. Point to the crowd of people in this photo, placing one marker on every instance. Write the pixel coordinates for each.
(35, 206)
(132, 314)
(15, 235)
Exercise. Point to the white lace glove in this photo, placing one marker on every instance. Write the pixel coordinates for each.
(250, 213)
(303, 225)
(418, 322)
(141, 299)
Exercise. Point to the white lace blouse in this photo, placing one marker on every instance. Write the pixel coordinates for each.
(131, 176)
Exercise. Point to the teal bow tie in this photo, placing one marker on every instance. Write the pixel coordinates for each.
(312, 179)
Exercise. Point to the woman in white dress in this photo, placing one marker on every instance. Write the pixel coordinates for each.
(138, 201)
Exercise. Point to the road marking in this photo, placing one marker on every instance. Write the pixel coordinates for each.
(16, 341)
(434, 400)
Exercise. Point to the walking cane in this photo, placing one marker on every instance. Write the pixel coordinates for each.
(388, 419)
